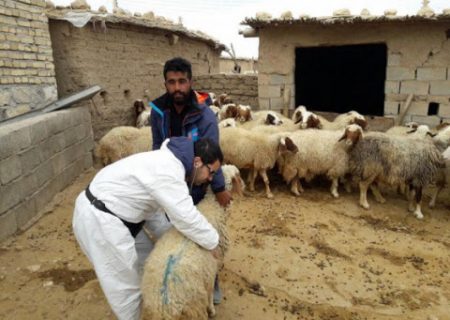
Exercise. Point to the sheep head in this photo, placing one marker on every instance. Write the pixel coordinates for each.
(273, 119)
(352, 134)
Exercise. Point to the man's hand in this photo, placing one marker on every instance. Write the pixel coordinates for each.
(224, 198)
(216, 253)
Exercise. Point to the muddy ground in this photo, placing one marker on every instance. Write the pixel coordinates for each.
(308, 257)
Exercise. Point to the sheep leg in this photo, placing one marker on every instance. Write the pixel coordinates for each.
(376, 192)
(251, 179)
(418, 199)
(435, 194)
(334, 187)
(363, 186)
(263, 174)
(296, 187)
(211, 310)
(410, 194)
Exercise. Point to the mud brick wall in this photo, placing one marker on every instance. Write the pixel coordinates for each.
(241, 88)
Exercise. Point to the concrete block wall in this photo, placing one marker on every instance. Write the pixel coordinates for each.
(428, 84)
(274, 89)
(243, 89)
(39, 157)
(27, 72)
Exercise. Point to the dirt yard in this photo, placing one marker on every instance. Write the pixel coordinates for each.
(311, 257)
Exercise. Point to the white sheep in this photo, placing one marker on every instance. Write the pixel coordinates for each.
(255, 151)
(442, 141)
(230, 122)
(120, 142)
(142, 113)
(178, 278)
(308, 119)
(320, 152)
(416, 131)
(394, 160)
(267, 118)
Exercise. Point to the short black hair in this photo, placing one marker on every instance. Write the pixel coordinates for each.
(178, 64)
(208, 151)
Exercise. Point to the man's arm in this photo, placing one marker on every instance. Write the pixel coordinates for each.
(173, 196)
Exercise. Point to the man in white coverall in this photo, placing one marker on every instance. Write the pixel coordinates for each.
(111, 211)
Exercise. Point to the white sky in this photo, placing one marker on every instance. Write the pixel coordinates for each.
(221, 18)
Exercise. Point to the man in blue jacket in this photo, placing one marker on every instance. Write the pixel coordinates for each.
(181, 111)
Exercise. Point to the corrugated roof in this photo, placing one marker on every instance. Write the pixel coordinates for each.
(159, 23)
(348, 19)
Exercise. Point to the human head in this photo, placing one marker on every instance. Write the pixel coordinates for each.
(178, 80)
(207, 160)
(178, 65)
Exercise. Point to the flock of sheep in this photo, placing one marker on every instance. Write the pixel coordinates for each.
(179, 276)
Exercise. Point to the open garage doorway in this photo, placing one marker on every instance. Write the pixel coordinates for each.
(341, 78)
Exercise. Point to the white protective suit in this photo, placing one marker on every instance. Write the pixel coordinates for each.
(135, 189)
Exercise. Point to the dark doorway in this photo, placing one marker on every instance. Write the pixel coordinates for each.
(341, 78)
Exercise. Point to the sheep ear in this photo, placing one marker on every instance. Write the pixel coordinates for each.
(269, 119)
(343, 136)
(290, 145)
(431, 134)
(411, 131)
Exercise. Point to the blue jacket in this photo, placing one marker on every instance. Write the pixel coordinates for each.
(200, 122)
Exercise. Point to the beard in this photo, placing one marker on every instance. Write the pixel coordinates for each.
(179, 98)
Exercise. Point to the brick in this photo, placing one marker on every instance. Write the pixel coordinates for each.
(414, 87)
(25, 212)
(394, 59)
(440, 87)
(10, 195)
(30, 159)
(8, 225)
(431, 73)
(392, 87)
(46, 193)
(391, 107)
(431, 121)
(10, 169)
(444, 110)
(269, 92)
(38, 131)
(276, 103)
(277, 79)
(400, 73)
(418, 108)
(264, 104)
(44, 172)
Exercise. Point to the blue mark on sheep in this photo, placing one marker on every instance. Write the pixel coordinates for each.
(169, 274)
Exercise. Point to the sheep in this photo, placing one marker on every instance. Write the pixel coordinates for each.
(319, 152)
(216, 111)
(252, 150)
(236, 111)
(308, 119)
(416, 131)
(142, 113)
(222, 100)
(378, 157)
(178, 276)
(230, 122)
(270, 118)
(442, 142)
(121, 142)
